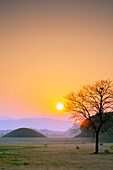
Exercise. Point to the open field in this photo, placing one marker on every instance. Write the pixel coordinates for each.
(35, 153)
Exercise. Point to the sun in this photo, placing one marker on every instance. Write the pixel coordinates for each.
(59, 106)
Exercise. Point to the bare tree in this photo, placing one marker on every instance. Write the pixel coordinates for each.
(94, 99)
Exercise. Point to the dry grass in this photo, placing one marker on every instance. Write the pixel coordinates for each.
(53, 154)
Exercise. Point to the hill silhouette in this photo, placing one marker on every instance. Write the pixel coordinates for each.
(106, 133)
(24, 132)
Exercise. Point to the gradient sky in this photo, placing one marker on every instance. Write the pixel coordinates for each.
(49, 48)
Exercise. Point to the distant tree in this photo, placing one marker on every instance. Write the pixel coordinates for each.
(94, 99)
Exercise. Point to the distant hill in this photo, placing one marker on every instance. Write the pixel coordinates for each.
(70, 133)
(5, 117)
(24, 132)
(36, 123)
(106, 133)
(107, 136)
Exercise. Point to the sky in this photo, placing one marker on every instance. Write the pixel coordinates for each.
(49, 48)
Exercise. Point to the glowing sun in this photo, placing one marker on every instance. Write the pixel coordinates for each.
(59, 106)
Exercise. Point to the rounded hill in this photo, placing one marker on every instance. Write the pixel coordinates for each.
(24, 132)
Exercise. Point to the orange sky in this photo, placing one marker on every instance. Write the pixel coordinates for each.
(49, 48)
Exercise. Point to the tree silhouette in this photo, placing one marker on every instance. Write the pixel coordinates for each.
(94, 99)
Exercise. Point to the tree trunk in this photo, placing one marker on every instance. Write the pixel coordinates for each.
(97, 141)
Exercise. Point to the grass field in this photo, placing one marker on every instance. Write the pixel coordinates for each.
(29, 154)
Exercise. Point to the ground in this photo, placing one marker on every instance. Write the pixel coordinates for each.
(53, 154)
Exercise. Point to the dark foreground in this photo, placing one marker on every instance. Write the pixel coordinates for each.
(31, 154)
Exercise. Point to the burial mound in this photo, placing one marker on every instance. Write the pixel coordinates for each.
(24, 132)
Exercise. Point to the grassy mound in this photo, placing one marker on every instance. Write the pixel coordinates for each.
(107, 136)
(106, 132)
(24, 132)
(103, 137)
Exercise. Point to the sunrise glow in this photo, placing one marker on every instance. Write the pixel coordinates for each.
(49, 49)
